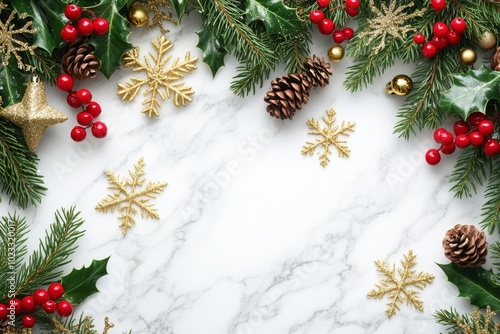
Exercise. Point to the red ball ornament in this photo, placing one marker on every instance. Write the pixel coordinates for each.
(49, 306)
(64, 308)
(65, 82)
(476, 139)
(338, 36)
(326, 27)
(429, 50)
(323, 3)
(69, 33)
(28, 321)
(83, 118)
(99, 130)
(461, 127)
(316, 16)
(78, 133)
(348, 33)
(354, 4)
(84, 96)
(462, 141)
(453, 38)
(28, 304)
(440, 42)
(491, 147)
(486, 128)
(4, 312)
(440, 29)
(56, 290)
(352, 12)
(446, 137)
(16, 303)
(432, 157)
(448, 149)
(72, 12)
(438, 5)
(40, 296)
(73, 100)
(85, 27)
(419, 38)
(475, 118)
(94, 109)
(458, 25)
(437, 134)
(101, 26)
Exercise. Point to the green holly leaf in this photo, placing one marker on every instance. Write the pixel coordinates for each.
(12, 83)
(476, 284)
(470, 92)
(122, 3)
(80, 283)
(53, 12)
(212, 50)
(110, 47)
(277, 17)
(180, 7)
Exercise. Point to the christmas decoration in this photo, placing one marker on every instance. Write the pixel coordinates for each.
(329, 136)
(336, 53)
(153, 6)
(468, 56)
(158, 77)
(397, 290)
(389, 21)
(495, 60)
(287, 94)
(33, 114)
(475, 323)
(487, 40)
(317, 71)
(466, 246)
(326, 26)
(126, 196)
(400, 85)
(79, 60)
(138, 15)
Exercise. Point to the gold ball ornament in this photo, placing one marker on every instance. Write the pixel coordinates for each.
(336, 53)
(468, 56)
(138, 15)
(487, 40)
(400, 85)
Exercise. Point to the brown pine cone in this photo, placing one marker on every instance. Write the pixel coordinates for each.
(317, 71)
(495, 60)
(287, 94)
(79, 61)
(466, 246)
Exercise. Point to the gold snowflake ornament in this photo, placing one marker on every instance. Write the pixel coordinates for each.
(389, 21)
(127, 194)
(161, 82)
(9, 45)
(482, 326)
(329, 136)
(398, 289)
(158, 15)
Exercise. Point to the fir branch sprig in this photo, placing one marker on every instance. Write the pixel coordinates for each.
(472, 168)
(476, 322)
(491, 208)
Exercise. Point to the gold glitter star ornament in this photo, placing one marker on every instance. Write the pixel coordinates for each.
(33, 114)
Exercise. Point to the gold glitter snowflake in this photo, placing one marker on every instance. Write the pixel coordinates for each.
(389, 21)
(9, 45)
(158, 15)
(329, 136)
(482, 326)
(397, 289)
(158, 78)
(86, 327)
(126, 196)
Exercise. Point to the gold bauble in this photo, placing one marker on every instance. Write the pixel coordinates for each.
(400, 85)
(138, 16)
(468, 56)
(336, 53)
(487, 40)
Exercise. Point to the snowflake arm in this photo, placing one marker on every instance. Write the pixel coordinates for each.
(9, 45)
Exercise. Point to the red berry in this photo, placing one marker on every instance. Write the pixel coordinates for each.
(448, 149)
(348, 33)
(72, 12)
(491, 147)
(316, 16)
(69, 33)
(440, 42)
(73, 100)
(65, 82)
(458, 25)
(83, 118)
(85, 27)
(56, 290)
(419, 38)
(354, 4)
(40, 296)
(78, 133)
(453, 38)
(326, 27)
(28, 304)
(476, 139)
(28, 321)
(446, 138)
(84, 96)
(432, 157)
(475, 118)
(49, 306)
(440, 29)
(352, 12)
(323, 3)
(3, 311)
(461, 127)
(94, 109)
(485, 128)
(438, 5)
(16, 303)
(64, 308)
(101, 26)
(462, 140)
(99, 130)
(437, 134)
(429, 50)
(338, 36)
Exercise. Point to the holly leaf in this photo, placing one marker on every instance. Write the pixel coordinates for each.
(110, 47)
(53, 11)
(470, 92)
(81, 283)
(180, 7)
(12, 83)
(212, 50)
(122, 3)
(476, 284)
(276, 17)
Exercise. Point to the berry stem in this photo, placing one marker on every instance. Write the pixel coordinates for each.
(337, 7)
(90, 12)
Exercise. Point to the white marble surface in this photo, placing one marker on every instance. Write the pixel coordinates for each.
(280, 245)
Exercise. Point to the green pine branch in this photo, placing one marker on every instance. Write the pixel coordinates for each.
(471, 168)
(476, 322)
(491, 208)
(84, 324)
(19, 176)
(494, 249)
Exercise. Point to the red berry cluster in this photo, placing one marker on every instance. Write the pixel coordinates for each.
(327, 26)
(84, 26)
(90, 109)
(476, 131)
(41, 297)
(443, 35)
